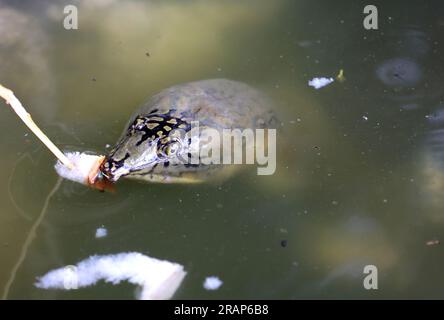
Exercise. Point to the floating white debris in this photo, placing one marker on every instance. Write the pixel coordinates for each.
(158, 279)
(83, 165)
(101, 232)
(318, 83)
(212, 283)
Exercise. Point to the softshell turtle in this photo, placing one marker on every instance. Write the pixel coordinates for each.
(150, 146)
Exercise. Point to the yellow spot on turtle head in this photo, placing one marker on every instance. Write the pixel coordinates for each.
(151, 126)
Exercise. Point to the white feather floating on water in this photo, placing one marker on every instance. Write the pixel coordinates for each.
(101, 232)
(212, 283)
(83, 165)
(158, 279)
(318, 83)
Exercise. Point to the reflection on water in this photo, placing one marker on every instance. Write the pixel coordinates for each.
(360, 165)
(399, 72)
(26, 45)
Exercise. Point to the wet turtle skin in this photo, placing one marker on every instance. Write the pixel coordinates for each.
(149, 146)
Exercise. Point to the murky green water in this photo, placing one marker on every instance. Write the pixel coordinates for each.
(360, 172)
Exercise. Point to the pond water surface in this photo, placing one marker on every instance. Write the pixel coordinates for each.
(360, 175)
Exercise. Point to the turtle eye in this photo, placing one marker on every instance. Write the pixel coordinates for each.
(170, 149)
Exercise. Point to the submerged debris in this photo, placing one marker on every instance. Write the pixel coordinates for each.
(340, 77)
(432, 242)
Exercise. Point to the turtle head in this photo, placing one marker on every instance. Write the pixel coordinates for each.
(149, 140)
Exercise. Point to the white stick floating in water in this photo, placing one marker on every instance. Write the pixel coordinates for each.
(16, 105)
(74, 166)
(158, 279)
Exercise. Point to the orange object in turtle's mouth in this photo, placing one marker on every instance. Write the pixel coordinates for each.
(97, 180)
